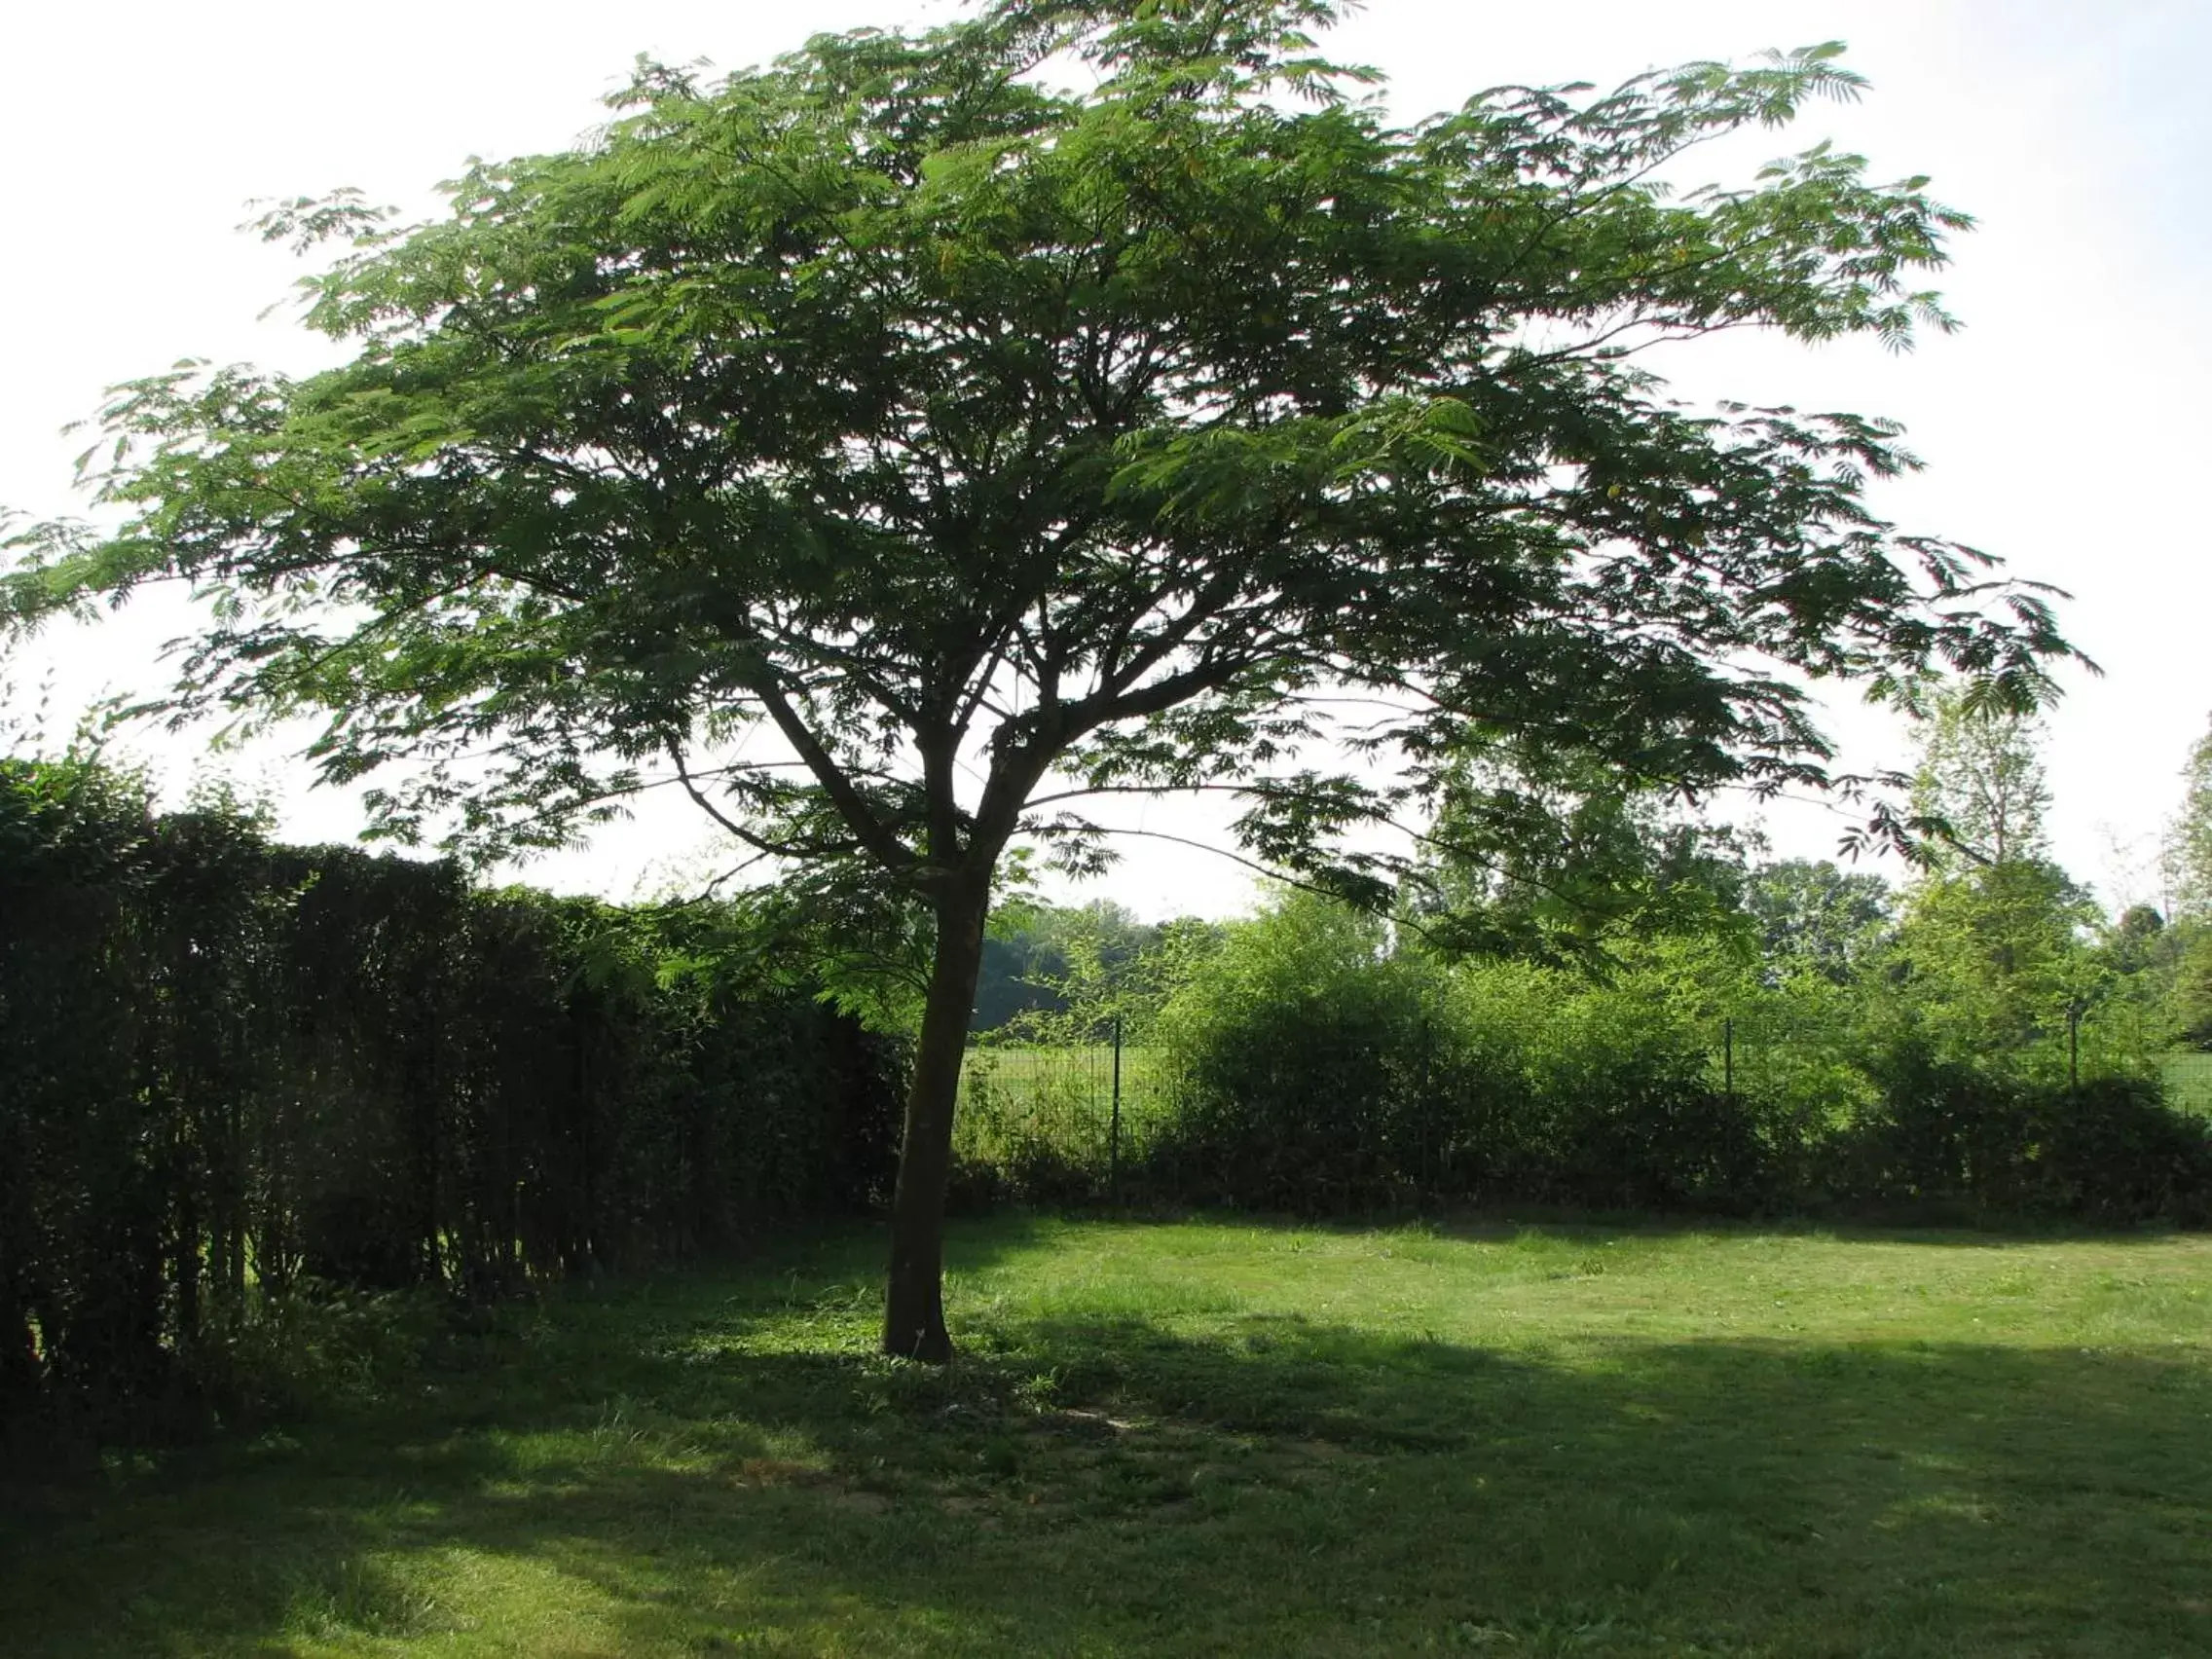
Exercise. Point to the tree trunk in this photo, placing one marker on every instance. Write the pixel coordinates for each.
(913, 1316)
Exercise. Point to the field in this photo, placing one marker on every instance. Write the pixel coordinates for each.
(1017, 1102)
(1222, 1438)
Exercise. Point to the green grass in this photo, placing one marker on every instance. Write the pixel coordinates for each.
(1226, 1439)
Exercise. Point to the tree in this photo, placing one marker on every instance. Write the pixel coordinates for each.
(1042, 963)
(1559, 857)
(1995, 934)
(991, 445)
(1022, 958)
(2188, 837)
(1995, 956)
(1116, 975)
(2135, 938)
(1981, 775)
(1816, 919)
(2189, 996)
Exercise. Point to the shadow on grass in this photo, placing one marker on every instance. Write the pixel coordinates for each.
(718, 1466)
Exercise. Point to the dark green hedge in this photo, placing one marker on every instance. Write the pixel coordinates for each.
(1326, 1105)
(231, 1070)
(2109, 1151)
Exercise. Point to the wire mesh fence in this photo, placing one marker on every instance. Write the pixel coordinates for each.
(2188, 1077)
(1064, 1120)
(1096, 1120)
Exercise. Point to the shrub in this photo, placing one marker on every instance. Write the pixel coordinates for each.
(1617, 1106)
(1319, 1072)
(1306, 1064)
(2109, 1150)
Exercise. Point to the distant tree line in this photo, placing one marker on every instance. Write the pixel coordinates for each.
(1046, 965)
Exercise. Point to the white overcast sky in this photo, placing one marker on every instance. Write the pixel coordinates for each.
(2066, 428)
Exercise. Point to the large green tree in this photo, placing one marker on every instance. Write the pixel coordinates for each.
(1994, 935)
(1084, 395)
(2182, 955)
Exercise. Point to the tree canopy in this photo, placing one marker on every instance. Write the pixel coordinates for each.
(1560, 857)
(1816, 919)
(898, 444)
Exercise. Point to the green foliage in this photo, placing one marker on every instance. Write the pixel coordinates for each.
(2188, 837)
(1999, 958)
(1553, 858)
(316, 1347)
(232, 1073)
(1309, 1066)
(1023, 960)
(2109, 1151)
(1043, 960)
(1619, 1104)
(1105, 392)
(1303, 1049)
(2188, 1007)
(1994, 960)
(923, 408)
(1028, 1131)
(1321, 1071)
(1037, 1122)
(1097, 971)
(1814, 918)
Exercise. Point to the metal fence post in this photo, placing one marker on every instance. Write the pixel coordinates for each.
(1430, 1120)
(1114, 1128)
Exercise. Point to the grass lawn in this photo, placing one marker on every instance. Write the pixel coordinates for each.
(1225, 1438)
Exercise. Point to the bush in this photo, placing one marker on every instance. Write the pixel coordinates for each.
(2109, 1151)
(316, 1346)
(1306, 1058)
(1321, 1073)
(1030, 1139)
(1619, 1107)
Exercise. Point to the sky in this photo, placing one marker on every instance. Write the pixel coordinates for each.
(2066, 427)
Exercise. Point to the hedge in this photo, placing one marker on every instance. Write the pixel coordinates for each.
(234, 1073)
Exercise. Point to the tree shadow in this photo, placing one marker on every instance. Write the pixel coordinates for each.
(718, 1467)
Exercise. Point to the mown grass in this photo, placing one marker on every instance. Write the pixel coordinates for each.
(1226, 1439)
